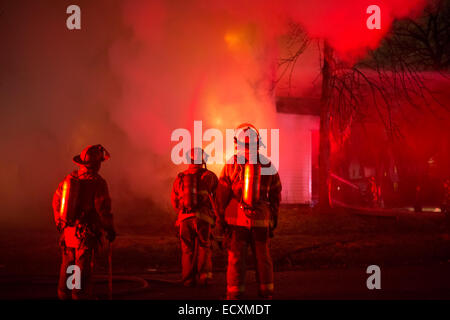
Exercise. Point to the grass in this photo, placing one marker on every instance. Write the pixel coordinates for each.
(304, 240)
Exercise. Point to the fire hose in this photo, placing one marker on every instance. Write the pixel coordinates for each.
(142, 284)
(109, 277)
(27, 282)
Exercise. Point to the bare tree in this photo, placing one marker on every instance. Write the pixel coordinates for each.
(386, 76)
(296, 43)
(424, 41)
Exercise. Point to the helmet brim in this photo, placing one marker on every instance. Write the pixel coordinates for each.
(77, 160)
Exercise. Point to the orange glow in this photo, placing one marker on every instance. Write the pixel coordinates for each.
(247, 191)
(63, 198)
(252, 180)
(232, 39)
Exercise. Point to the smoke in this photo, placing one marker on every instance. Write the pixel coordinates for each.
(341, 23)
(137, 71)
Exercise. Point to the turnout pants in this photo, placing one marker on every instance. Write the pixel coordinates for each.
(196, 252)
(82, 258)
(239, 239)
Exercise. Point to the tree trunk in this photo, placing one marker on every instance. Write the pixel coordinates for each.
(324, 147)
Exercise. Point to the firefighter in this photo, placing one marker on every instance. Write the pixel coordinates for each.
(193, 199)
(82, 211)
(253, 218)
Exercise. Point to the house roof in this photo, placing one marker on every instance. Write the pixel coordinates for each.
(297, 105)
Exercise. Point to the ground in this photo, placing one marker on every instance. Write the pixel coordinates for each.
(316, 256)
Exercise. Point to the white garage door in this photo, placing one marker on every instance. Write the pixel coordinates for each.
(295, 156)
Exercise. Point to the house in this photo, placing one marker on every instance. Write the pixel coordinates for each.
(298, 120)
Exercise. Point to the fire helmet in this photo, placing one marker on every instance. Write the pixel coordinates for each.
(92, 155)
(247, 135)
(197, 156)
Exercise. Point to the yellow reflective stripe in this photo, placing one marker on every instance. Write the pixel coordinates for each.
(240, 288)
(266, 286)
(183, 216)
(260, 223)
(205, 217)
(206, 275)
(251, 223)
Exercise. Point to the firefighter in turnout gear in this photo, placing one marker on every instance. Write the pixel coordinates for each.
(192, 195)
(250, 187)
(82, 212)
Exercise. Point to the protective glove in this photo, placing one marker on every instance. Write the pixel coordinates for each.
(60, 226)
